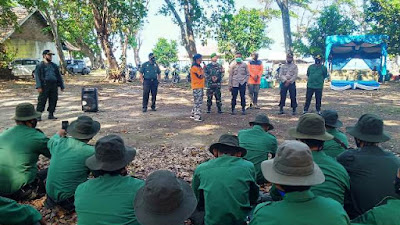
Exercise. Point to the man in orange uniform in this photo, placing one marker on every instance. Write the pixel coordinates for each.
(256, 70)
(197, 82)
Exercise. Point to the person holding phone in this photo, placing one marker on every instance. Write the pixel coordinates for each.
(67, 165)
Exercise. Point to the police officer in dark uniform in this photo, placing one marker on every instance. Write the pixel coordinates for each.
(48, 79)
(150, 73)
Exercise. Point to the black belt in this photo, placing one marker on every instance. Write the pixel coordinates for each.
(155, 79)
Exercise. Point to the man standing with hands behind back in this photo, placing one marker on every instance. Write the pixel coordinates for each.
(287, 76)
(150, 73)
(48, 79)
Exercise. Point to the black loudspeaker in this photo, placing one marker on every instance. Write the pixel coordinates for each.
(90, 100)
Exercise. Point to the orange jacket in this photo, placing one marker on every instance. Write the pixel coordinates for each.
(197, 76)
(256, 70)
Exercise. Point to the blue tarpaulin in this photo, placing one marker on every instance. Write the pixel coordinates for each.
(340, 49)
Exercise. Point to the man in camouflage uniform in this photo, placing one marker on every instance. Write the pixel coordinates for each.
(214, 73)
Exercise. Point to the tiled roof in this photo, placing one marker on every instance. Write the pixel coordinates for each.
(22, 15)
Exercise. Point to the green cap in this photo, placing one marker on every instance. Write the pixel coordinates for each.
(26, 112)
(369, 128)
(310, 126)
(213, 55)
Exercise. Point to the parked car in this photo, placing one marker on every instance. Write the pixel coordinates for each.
(24, 68)
(77, 66)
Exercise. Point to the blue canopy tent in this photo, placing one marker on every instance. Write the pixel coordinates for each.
(340, 49)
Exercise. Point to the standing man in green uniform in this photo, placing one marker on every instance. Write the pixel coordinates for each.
(370, 167)
(12, 213)
(214, 73)
(293, 172)
(339, 143)
(316, 74)
(109, 197)
(311, 131)
(150, 74)
(67, 165)
(20, 148)
(259, 143)
(48, 79)
(225, 187)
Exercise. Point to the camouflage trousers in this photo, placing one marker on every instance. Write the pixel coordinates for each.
(214, 92)
(198, 102)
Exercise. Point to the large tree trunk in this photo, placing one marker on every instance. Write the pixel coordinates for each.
(287, 34)
(100, 13)
(136, 48)
(54, 29)
(87, 51)
(189, 30)
(187, 35)
(124, 43)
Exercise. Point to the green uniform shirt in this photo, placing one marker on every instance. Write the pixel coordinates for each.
(107, 200)
(225, 188)
(316, 75)
(19, 152)
(300, 208)
(12, 213)
(67, 166)
(150, 70)
(387, 214)
(211, 70)
(258, 144)
(331, 147)
(372, 171)
(337, 181)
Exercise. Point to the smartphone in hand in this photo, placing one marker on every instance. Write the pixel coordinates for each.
(64, 125)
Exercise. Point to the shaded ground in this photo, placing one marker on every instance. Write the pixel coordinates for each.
(167, 138)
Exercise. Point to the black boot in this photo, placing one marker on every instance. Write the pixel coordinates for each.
(281, 111)
(52, 117)
(208, 109)
(233, 111)
(219, 110)
(294, 112)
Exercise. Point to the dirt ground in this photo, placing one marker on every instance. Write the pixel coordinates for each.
(167, 138)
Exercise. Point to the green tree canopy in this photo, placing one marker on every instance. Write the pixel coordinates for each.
(244, 32)
(384, 18)
(166, 52)
(330, 22)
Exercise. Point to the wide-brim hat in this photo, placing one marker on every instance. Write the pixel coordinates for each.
(110, 154)
(293, 165)
(262, 119)
(83, 128)
(369, 128)
(25, 112)
(228, 140)
(331, 118)
(164, 199)
(310, 126)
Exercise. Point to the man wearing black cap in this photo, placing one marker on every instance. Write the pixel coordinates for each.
(48, 79)
(150, 73)
(316, 75)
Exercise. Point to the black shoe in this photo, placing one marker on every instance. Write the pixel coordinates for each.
(243, 112)
(233, 112)
(144, 110)
(153, 109)
(305, 111)
(219, 110)
(52, 117)
(281, 112)
(294, 112)
(208, 109)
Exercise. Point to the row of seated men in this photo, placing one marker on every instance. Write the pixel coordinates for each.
(315, 178)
